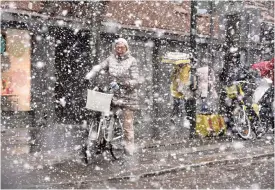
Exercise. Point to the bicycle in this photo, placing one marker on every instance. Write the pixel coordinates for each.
(246, 116)
(107, 133)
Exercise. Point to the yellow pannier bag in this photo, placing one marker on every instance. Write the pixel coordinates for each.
(210, 125)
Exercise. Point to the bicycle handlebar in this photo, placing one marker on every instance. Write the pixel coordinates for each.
(96, 88)
(243, 81)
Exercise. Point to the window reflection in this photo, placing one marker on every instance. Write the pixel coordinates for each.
(15, 70)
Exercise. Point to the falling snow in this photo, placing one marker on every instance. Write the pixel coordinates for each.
(194, 94)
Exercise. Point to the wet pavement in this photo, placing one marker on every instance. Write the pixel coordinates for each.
(250, 174)
(58, 167)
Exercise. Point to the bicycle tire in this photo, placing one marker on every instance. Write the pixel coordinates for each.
(92, 140)
(242, 123)
(116, 144)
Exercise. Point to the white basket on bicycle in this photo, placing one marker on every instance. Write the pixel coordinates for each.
(98, 101)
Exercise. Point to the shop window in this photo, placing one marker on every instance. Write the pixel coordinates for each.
(218, 60)
(233, 29)
(15, 70)
(256, 56)
(243, 58)
(253, 26)
(203, 56)
(267, 33)
(177, 2)
(203, 7)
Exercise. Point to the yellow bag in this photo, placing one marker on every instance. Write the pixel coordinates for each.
(180, 76)
(210, 125)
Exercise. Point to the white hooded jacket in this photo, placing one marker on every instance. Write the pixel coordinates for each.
(123, 70)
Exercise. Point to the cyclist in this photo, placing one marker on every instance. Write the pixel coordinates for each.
(266, 70)
(236, 92)
(123, 76)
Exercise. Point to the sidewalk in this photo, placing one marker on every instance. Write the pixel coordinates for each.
(19, 143)
(57, 147)
(152, 162)
(57, 165)
(58, 144)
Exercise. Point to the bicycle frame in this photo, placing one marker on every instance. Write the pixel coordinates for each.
(102, 136)
(100, 128)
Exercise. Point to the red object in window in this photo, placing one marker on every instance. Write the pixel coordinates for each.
(9, 90)
(6, 87)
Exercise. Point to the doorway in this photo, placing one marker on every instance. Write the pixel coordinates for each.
(72, 62)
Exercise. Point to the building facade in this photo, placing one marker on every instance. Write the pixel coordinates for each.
(68, 38)
(56, 51)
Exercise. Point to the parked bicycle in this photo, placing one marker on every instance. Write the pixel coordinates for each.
(105, 134)
(246, 113)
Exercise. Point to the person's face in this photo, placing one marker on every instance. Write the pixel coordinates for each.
(120, 48)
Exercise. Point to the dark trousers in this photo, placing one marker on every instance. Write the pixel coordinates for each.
(227, 110)
(190, 109)
(178, 106)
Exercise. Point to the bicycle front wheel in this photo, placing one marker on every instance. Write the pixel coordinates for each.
(92, 142)
(242, 123)
(117, 142)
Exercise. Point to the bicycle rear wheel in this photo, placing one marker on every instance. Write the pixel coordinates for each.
(117, 142)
